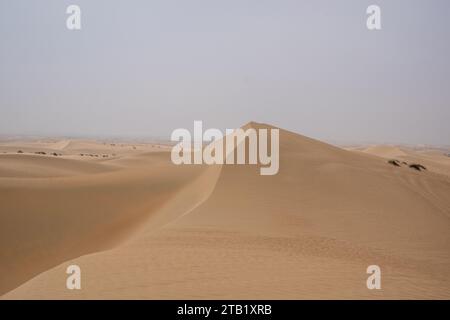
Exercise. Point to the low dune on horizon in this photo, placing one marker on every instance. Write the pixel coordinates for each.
(141, 227)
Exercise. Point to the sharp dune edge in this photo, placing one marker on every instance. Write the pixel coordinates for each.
(141, 227)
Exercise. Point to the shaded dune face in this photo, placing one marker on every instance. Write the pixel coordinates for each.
(48, 220)
(195, 231)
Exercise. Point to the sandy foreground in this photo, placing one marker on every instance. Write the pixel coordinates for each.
(141, 227)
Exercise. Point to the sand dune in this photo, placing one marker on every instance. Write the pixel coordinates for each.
(45, 221)
(33, 166)
(434, 159)
(141, 227)
(385, 151)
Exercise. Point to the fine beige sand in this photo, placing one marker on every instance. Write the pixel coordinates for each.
(141, 227)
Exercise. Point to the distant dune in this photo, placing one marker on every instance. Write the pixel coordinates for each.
(437, 160)
(141, 227)
(386, 151)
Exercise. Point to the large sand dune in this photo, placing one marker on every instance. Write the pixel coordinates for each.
(141, 227)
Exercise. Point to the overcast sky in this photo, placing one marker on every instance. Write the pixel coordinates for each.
(145, 68)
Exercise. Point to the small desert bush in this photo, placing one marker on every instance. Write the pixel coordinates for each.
(417, 167)
(394, 163)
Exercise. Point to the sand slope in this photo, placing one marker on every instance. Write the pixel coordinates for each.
(209, 232)
(433, 159)
(45, 221)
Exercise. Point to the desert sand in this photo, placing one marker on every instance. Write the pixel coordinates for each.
(141, 227)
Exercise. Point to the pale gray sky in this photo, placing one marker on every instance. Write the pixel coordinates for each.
(144, 68)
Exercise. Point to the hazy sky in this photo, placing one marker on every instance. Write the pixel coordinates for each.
(145, 68)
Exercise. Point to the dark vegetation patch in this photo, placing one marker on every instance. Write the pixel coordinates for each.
(394, 163)
(417, 166)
